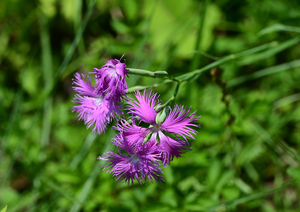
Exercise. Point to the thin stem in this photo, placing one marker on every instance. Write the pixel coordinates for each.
(140, 87)
(156, 74)
(172, 99)
(196, 73)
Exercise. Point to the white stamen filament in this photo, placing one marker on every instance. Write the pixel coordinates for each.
(112, 71)
(98, 101)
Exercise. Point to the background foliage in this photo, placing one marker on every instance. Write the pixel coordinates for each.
(245, 157)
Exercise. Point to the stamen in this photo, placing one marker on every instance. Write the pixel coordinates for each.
(98, 101)
(134, 159)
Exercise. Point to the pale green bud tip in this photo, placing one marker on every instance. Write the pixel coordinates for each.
(161, 116)
(147, 138)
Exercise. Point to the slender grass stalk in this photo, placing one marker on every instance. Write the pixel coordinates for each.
(290, 151)
(70, 52)
(4, 40)
(11, 122)
(24, 202)
(48, 81)
(205, 54)
(76, 39)
(94, 174)
(57, 188)
(145, 36)
(196, 59)
(286, 101)
(77, 22)
(251, 197)
(264, 72)
(278, 27)
(270, 52)
(140, 87)
(89, 140)
(197, 73)
(19, 147)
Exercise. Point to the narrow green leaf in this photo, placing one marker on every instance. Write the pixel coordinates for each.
(278, 27)
(195, 74)
(249, 198)
(4, 209)
(286, 100)
(139, 87)
(48, 81)
(90, 181)
(264, 72)
(270, 52)
(196, 60)
(89, 140)
(57, 188)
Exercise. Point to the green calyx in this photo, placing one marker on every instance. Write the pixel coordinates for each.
(147, 138)
(162, 115)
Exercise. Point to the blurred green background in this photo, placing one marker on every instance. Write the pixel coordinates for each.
(245, 156)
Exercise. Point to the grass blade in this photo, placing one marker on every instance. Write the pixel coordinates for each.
(270, 52)
(19, 147)
(12, 121)
(57, 188)
(90, 181)
(83, 151)
(249, 198)
(195, 74)
(76, 39)
(278, 27)
(196, 59)
(48, 81)
(264, 72)
(286, 101)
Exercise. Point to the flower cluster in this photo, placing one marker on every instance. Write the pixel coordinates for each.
(153, 135)
(99, 103)
(161, 140)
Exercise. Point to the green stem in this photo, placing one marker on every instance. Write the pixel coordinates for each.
(141, 72)
(196, 73)
(171, 100)
(140, 87)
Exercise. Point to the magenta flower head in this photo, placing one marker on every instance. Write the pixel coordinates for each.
(94, 108)
(140, 162)
(177, 124)
(111, 79)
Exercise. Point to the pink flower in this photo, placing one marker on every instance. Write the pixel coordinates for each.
(178, 122)
(94, 108)
(110, 78)
(140, 163)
